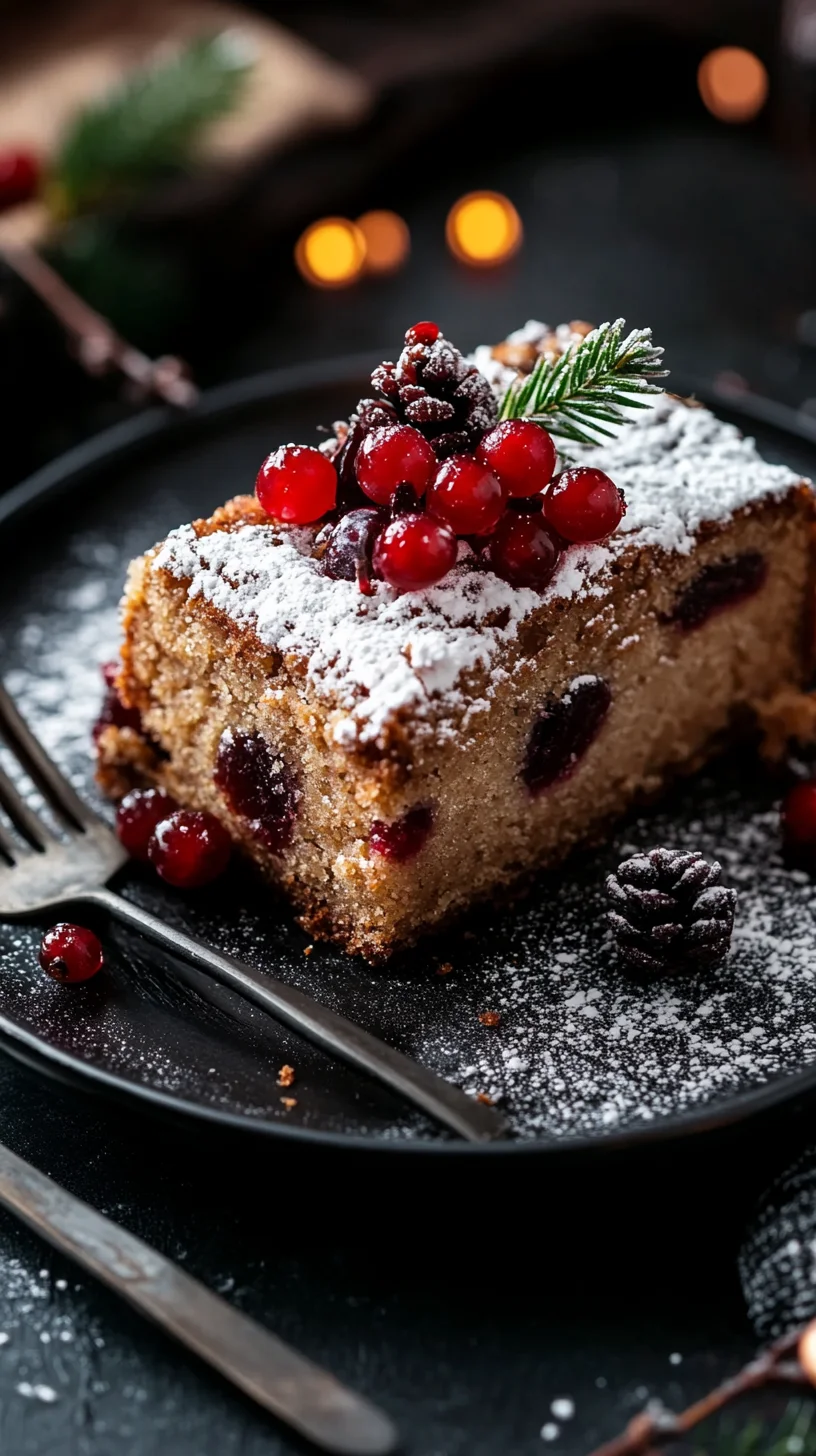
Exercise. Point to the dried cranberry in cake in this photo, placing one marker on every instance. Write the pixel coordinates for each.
(466, 495)
(524, 550)
(348, 554)
(799, 816)
(414, 552)
(721, 585)
(404, 838)
(113, 713)
(190, 848)
(422, 333)
(393, 456)
(137, 816)
(584, 504)
(297, 484)
(258, 786)
(563, 732)
(522, 455)
(70, 953)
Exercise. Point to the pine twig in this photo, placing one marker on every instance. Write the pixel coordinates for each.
(590, 386)
(98, 346)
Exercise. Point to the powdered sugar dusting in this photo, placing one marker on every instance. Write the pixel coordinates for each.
(374, 657)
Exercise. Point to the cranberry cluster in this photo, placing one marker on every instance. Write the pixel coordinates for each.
(427, 465)
(187, 847)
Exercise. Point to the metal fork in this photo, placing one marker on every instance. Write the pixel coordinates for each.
(44, 873)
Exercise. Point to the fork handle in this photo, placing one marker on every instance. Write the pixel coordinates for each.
(475, 1121)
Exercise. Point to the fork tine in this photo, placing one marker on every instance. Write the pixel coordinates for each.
(8, 848)
(22, 817)
(48, 778)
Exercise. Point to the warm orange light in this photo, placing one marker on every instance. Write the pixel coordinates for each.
(387, 239)
(331, 253)
(483, 229)
(733, 83)
(807, 1352)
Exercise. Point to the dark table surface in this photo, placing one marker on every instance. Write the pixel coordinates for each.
(465, 1302)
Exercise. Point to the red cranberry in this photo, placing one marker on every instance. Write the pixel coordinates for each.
(414, 552)
(466, 495)
(718, 586)
(19, 176)
(389, 456)
(404, 838)
(524, 550)
(799, 816)
(422, 333)
(70, 953)
(113, 713)
(189, 848)
(563, 732)
(584, 504)
(521, 454)
(348, 554)
(297, 484)
(137, 816)
(258, 786)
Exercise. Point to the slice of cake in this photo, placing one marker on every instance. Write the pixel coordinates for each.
(401, 707)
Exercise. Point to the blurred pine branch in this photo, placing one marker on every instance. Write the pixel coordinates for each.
(147, 124)
(794, 1434)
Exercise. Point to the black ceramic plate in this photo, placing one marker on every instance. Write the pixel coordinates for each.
(582, 1056)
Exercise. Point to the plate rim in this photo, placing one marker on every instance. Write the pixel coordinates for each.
(162, 424)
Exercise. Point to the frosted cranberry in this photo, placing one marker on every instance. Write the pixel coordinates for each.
(721, 585)
(466, 495)
(70, 953)
(389, 456)
(19, 176)
(189, 848)
(349, 551)
(404, 838)
(423, 333)
(297, 484)
(137, 816)
(113, 713)
(799, 816)
(258, 786)
(521, 454)
(563, 732)
(524, 550)
(414, 552)
(584, 504)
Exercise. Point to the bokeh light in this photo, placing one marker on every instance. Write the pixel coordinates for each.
(483, 229)
(387, 239)
(331, 253)
(733, 83)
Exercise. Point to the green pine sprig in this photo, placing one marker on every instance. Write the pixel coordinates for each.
(146, 124)
(794, 1434)
(592, 385)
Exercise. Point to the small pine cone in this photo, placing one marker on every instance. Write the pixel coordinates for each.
(669, 910)
(432, 388)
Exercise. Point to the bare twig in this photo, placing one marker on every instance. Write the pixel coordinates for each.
(98, 346)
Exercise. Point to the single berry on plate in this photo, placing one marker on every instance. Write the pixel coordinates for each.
(70, 953)
(349, 548)
(259, 786)
(423, 333)
(137, 816)
(670, 911)
(466, 495)
(522, 455)
(563, 731)
(799, 816)
(19, 176)
(524, 550)
(297, 484)
(190, 848)
(403, 838)
(113, 713)
(414, 552)
(583, 504)
(392, 456)
(720, 585)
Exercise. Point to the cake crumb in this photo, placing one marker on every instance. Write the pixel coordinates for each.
(286, 1075)
(483, 1097)
(307, 950)
(289, 1103)
(445, 969)
(489, 1018)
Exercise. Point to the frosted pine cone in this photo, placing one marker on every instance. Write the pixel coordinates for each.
(669, 910)
(432, 388)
